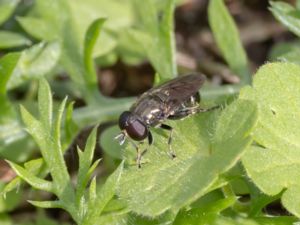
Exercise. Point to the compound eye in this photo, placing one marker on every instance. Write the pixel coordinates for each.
(137, 130)
(123, 119)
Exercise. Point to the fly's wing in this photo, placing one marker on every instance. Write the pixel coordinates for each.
(172, 93)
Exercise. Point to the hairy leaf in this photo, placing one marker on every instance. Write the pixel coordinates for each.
(205, 149)
(273, 164)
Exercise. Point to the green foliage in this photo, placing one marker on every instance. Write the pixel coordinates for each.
(158, 23)
(228, 40)
(179, 182)
(277, 132)
(287, 15)
(35, 62)
(6, 9)
(46, 133)
(10, 40)
(202, 185)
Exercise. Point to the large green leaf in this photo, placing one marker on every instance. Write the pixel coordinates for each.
(274, 164)
(205, 149)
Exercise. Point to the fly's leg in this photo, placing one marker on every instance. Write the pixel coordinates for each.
(184, 112)
(170, 129)
(138, 149)
(138, 152)
(141, 154)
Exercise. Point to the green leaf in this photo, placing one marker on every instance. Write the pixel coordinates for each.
(202, 215)
(34, 167)
(10, 39)
(159, 24)
(71, 128)
(85, 161)
(45, 104)
(7, 66)
(119, 14)
(35, 62)
(10, 127)
(34, 181)
(130, 53)
(273, 164)
(7, 7)
(47, 136)
(46, 31)
(109, 145)
(92, 190)
(287, 15)
(47, 204)
(57, 27)
(131, 218)
(91, 37)
(56, 134)
(201, 144)
(292, 56)
(227, 37)
(105, 194)
(34, 127)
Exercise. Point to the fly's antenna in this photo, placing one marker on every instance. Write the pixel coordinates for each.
(121, 138)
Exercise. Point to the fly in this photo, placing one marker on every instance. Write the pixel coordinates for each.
(173, 100)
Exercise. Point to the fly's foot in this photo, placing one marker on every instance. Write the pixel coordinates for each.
(172, 154)
(139, 158)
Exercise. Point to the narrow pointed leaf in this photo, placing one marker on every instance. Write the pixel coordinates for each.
(92, 190)
(103, 196)
(57, 123)
(287, 15)
(34, 127)
(71, 128)
(45, 104)
(85, 160)
(91, 37)
(8, 64)
(47, 204)
(34, 181)
(10, 39)
(228, 40)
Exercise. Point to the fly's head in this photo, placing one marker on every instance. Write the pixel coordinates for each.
(131, 126)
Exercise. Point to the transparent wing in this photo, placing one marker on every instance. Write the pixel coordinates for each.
(171, 94)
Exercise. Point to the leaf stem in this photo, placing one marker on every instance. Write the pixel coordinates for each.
(238, 206)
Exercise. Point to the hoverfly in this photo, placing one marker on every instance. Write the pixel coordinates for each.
(175, 99)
